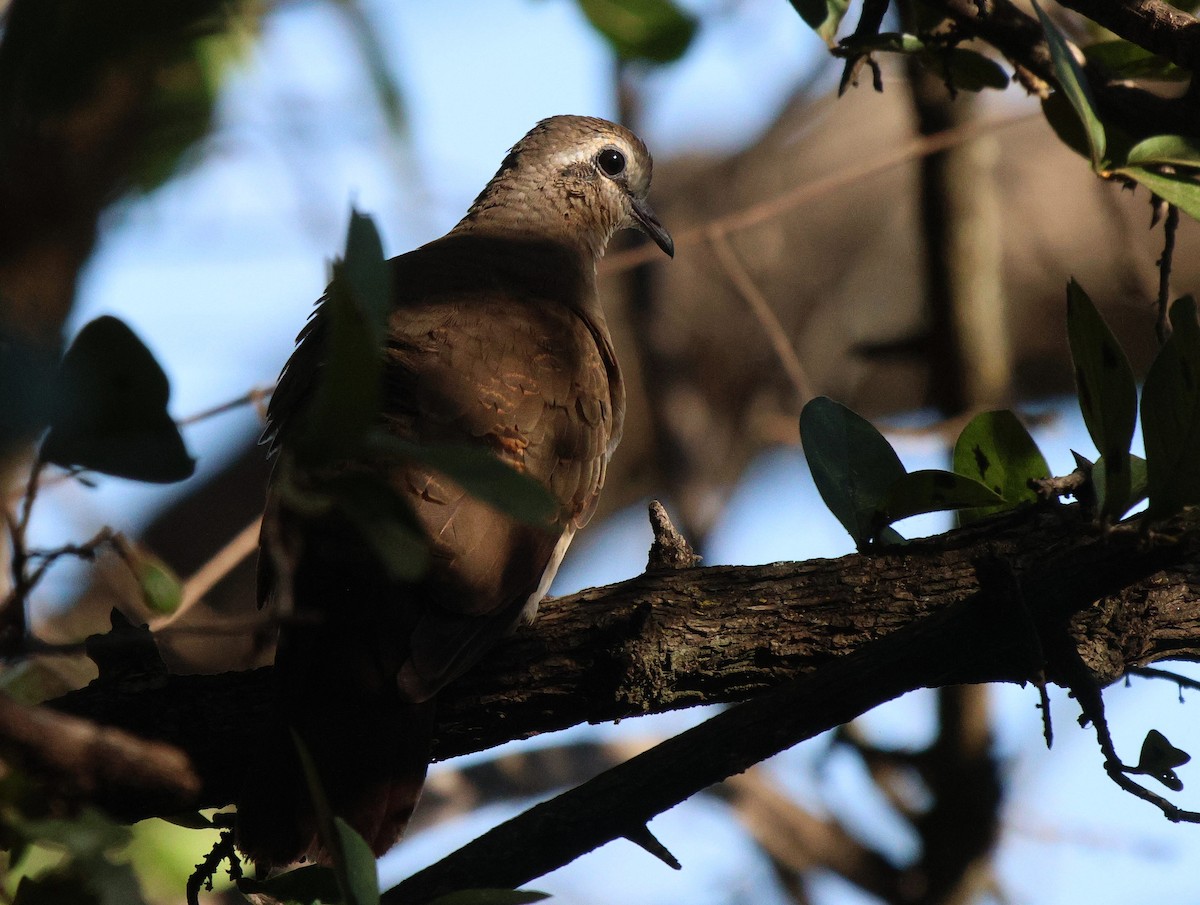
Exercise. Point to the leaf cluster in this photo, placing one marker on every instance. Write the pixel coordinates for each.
(996, 463)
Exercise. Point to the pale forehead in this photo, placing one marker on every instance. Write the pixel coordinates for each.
(567, 138)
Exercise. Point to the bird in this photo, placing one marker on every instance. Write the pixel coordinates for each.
(496, 339)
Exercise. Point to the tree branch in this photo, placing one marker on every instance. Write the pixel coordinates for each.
(1152, 24)
(680, 638)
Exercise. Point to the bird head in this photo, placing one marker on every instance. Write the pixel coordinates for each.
(578, 176)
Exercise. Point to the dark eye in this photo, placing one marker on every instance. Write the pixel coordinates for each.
(611, 161)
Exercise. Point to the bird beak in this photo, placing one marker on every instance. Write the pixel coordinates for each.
(648, 223)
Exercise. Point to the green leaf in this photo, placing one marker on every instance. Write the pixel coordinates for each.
(1138, 489)
(996, 450)
(481, 474)
(1125, 60)
(964, 70)
(362, 876)
(1171, 416)
(162, 591)
(385, 522)
(823, 16)
(1177, 189)
(933, 490)
(368, 275)
(1074, 85)
(1066, 125)
(109, 411)
(852, 465)
(348, 395)
(314, 884)
(353, 862)
(654, 31)
(1107, 393)
(491, 897)
(1176, 149)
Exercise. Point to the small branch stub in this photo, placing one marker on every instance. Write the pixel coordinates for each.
(670, 549)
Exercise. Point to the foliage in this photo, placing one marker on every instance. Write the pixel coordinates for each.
(866, 487)
(651, 31)
(864, 484)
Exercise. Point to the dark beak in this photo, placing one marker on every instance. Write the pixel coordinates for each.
(648, 223)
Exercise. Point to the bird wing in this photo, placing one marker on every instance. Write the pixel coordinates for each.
(492, 344)
(519, 370)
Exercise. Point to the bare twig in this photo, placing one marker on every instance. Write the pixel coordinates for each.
(761, 309)
(1150, 672)
(255, 396)
(765, 211)
(1163, 325)
(221, 564)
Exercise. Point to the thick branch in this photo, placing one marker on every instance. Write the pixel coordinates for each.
(85, 762)
(681, 638)
(1152, 24)
(1019, 37)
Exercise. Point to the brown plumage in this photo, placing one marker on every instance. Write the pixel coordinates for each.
(497, 339)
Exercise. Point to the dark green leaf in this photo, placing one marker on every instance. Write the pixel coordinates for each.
(331, 833)
(87, 836)
(996, 450)
(479, 473)
(109, 411)
(932, 490)
(1159, 149)
(348, 395)
(368, 275)
(385, 522)
(1181, 190)
(852, 465)
(315, 884)
(964, 70)
(1074, 84)
(1138, 489)
(1107, 393)
(83, 879)
(362, 877)
(823, 16)
(1126, 60)
(1066, 125)
(1171, 416)
(162, 591)
(491, 897)
(56, 888)
(655, 31)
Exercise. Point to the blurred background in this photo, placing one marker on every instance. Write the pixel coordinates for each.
(190, 167)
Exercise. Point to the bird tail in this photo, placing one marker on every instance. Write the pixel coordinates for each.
(369, 766)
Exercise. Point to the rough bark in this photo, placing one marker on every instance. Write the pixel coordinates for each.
(992, 597)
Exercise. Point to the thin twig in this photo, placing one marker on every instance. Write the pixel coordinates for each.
(759, 307)
(1149, 672)
(254, 396)
(221, 564)
(765, 211)
(1163, 325)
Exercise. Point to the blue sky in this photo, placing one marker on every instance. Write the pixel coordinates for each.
(217, 271)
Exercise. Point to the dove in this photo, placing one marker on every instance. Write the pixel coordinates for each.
(497, 340)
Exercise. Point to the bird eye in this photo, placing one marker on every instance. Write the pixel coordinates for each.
(611, 161)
